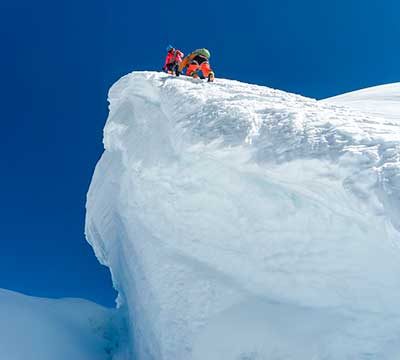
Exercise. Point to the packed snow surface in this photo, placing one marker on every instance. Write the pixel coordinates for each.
(245, 223)
(34, 328)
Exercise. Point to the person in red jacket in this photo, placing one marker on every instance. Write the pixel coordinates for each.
(172, 60)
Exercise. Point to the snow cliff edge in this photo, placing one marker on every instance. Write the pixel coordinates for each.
(242, 222)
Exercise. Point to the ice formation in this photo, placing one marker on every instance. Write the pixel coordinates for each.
(245, 223)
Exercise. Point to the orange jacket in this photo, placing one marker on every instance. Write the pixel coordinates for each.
(186, 61)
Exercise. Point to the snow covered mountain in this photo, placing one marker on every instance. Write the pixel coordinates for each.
(34, 328)
(382, 101)
(245, 223)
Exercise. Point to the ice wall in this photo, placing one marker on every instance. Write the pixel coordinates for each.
(242, 222)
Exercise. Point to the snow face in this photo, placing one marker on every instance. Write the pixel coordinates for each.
(241, 222)
(48, 329)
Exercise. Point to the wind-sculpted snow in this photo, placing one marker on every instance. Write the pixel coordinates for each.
(241, 222)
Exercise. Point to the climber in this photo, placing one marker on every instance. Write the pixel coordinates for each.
(173, 60)
(195, 62)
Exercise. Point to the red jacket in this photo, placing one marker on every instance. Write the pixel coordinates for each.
(173, 56)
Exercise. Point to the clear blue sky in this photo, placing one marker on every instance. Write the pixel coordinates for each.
(59, 58)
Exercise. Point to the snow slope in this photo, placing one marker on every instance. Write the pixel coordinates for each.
(241, 222)
(381, 101)
(34, 328)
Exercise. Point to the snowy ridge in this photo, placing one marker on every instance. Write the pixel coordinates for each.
(242, 222)
(62, 329)
(380, 101)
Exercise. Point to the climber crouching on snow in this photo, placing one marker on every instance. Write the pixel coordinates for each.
(172, 60)
(197, 61)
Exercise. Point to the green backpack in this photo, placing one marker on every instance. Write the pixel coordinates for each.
(204, 52)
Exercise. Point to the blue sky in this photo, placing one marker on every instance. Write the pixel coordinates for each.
(59, 58)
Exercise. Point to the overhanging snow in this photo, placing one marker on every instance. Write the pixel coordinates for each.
(217, 203)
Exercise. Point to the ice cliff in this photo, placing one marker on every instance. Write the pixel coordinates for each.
(241, 222)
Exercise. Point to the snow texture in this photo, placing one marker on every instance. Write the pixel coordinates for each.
(245, 223)
(47, 329)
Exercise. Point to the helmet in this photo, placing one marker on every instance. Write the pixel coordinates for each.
(169, 47)
(204, 52)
